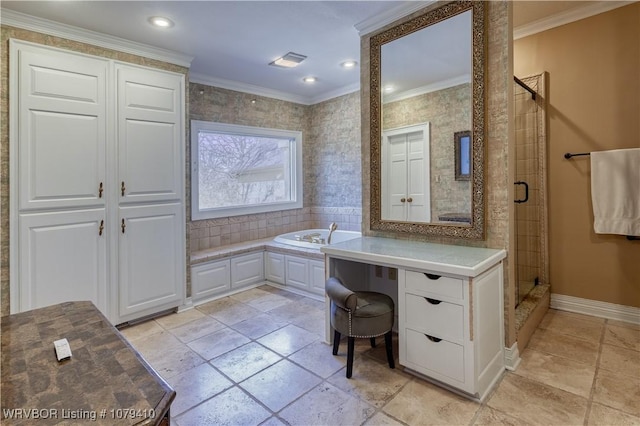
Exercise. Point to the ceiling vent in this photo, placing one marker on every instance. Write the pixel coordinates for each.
(290, 60)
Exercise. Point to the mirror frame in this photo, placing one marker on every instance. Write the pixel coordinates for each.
(433, 16)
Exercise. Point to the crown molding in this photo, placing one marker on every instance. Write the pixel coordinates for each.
(45, 26)
(270, 93)
(567, 17)
(247, 88)
(380, 20)
(433, 87)
(345, 90)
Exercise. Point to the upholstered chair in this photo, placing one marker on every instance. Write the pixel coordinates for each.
(359, 314)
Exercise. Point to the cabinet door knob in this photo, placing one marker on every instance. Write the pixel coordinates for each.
(433, 339)
(122, 188)
(100, 189)
(409, 199)
(432, 276)
(433, 301)
(402, 200)
(123, 226)
(101, 228)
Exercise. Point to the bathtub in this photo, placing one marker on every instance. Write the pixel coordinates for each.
(294, 238)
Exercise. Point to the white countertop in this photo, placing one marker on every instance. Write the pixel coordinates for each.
(443, 258)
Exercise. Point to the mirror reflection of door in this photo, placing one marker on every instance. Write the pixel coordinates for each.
(405, 174)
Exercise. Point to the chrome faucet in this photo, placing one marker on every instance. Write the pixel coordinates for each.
(332, 228)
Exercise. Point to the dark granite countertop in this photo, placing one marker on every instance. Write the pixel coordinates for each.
(106, 381)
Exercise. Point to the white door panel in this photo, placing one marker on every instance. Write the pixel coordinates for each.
(405, 174)
(62, 130)
(150, 135)
(62, 258)
(151, 258)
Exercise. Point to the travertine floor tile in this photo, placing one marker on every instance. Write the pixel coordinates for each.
(232, 407)
(259, 325)
(489, 416)
(317, 358)
(196, 329)
(245, 361)
(141, 330)
(177, 319)
(196, 385)
(443, 407)
(605, 416)
(279, 385)
(371, 381)
(288, 339)
(217, 343)
(382, 419)
(327, 405)
(618, 391)
(565, 345)
(621, 360)
(563, 373)
(625, 337)
(171, 362)
(577, 325)
(155, 343)
(537, 403)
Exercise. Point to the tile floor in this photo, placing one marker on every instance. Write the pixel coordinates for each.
(257, 358)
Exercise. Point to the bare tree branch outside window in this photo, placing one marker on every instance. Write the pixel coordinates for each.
(236, 170)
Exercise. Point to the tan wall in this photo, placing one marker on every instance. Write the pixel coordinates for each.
(593, 105)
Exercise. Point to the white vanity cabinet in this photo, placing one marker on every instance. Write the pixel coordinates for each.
(274, 267)
(97, 183)
(305, 274)
(219, 277)
(450, 328)
(450, 306)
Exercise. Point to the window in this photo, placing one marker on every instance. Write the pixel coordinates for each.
(240, 170)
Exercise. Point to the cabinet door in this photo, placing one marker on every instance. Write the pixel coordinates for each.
(62, 258)
(151, 259)
(297, 272)
(150, 134)
(247, 269)
(316, 276)
(274, 267)
(61, 128)
(209, 279)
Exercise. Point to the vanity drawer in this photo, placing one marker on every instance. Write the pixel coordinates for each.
(444, 319)
(438, 284)
(432, 355)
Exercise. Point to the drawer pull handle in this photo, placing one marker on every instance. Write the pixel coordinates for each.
(433, 339)
(432, 276)
(433, 301)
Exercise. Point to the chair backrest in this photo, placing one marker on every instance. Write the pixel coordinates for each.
(340, 295)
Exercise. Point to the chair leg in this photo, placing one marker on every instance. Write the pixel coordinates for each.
(389, 346)
(350, 344)
(373, 342)
(336, 341)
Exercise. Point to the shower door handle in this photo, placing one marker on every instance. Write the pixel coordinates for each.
(526, 191)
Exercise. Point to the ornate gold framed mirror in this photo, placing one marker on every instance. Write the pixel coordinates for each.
(429, 69)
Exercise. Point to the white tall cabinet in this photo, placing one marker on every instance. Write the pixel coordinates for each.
(97, 178)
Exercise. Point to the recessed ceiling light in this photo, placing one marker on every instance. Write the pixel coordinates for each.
(348, 64)
(161, 22)
(388, 89)
(290, 60)
(309, 79)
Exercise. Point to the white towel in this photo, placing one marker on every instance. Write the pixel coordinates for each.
(615, 191)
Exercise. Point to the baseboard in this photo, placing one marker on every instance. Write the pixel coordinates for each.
(512, 357)
(188, 304)
(595, 308)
